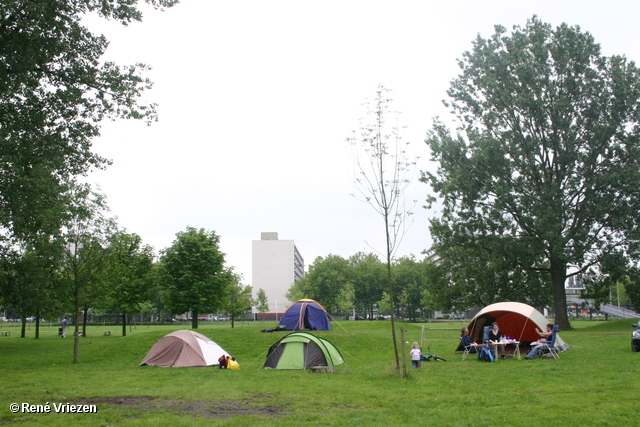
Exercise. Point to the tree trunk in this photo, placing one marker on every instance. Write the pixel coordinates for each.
(194, 319)
(23, 329)
(558, 278)
(393, 315)
(84, 322)
(38, 325)
(124, 324)
(76, 333)
(391, 293)
(404, 354)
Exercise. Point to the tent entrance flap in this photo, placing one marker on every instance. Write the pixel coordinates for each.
(293, 356)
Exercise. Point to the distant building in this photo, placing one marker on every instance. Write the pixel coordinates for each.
(576, 284)
(276, 265)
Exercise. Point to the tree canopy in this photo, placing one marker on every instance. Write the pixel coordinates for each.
(359, 283)
(128, 274)
(193, 272)
(540, 180)
(54, 92)
(82, 257)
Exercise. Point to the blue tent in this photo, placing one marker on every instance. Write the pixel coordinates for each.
(305, 314)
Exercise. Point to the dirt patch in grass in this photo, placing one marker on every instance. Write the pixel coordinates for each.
(114, 400)
(210, 409)
(217, 408)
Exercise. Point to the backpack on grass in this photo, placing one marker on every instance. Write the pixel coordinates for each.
(485, 354)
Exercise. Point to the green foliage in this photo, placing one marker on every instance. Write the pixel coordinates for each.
(542, 172)
(28, 282)
(262, 304)
(82, 253)
(369, 278)
(342, 285)
(632, 288)
(192, 271)
(323, 282)
(411, 281)
(238, 299)
(54, 92)
(347, 298)
(128, 274)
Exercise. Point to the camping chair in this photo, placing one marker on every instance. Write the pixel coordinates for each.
(494, 348)
(467, 349)
(485, 334)
(549, 348)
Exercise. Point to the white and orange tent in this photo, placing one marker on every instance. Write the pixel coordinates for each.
(516, 320)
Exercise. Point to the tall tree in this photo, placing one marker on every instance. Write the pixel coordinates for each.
(411, 281)
(632, 288)
(193, 272)
(347, 299)
(544, 163)
(238, 299)
(54, 92)
(82, 244)
(128, 274)
(27, 282)
(368, 276)
(326, 277)
(383, 171)
(262, 303)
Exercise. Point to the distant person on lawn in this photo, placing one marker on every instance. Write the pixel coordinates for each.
(416, 356)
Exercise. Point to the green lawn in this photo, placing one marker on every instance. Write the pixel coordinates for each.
(594, 383)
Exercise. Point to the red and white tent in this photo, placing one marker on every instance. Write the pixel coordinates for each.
(516, 320)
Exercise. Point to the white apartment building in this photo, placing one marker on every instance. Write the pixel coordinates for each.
(276, 265)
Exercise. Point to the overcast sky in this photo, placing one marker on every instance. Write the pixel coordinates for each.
(257, 97)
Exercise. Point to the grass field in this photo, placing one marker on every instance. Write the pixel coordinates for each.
(595, 383)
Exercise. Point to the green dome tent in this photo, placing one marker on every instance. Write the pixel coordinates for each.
(301, 350)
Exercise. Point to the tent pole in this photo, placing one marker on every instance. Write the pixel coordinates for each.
(523, 328)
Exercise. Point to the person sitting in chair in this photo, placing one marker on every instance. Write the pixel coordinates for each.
(495, 340)
(545, 338)
(467, 341)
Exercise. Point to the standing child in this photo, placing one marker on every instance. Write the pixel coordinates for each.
(416, 355)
